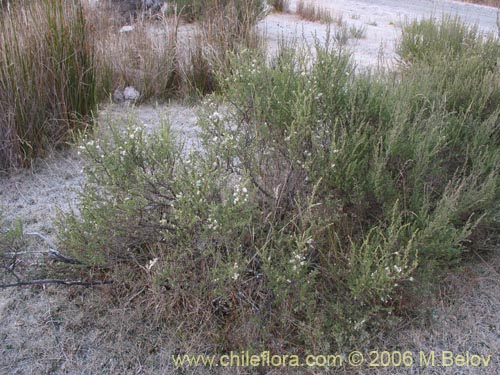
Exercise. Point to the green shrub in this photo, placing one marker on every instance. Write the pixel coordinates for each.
(459, 62)
(47, 77)
(429, 40)
(320, 198)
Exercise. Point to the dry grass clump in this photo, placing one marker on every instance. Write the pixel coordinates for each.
(491, 3)
(47, 77)
(282, 6)
(145, 57)
(164, 58)
(315, 13)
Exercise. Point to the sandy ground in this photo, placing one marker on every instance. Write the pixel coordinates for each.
(382, 20)
(43, 329)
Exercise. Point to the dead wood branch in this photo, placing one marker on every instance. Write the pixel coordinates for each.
(55, 281)
(53, 252)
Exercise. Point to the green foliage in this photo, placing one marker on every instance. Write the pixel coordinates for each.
(320, 198)
(128, 179)
(47, 77)
(429, 40)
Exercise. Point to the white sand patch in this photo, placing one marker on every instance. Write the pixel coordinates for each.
(381, 18)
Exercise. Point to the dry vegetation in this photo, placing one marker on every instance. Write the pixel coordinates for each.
(491, 3)
(47, 78)
(315, 13)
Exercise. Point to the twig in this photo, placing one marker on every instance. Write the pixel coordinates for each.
(36, 234)
(55, 281)
(53, 252)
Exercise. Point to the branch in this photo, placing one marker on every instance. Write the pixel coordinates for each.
(53, 252)
(55, 281)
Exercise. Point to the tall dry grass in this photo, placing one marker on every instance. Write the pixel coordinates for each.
(165, 58)
(491, 3)
(145, 58)
(315, 13)
(47, 77)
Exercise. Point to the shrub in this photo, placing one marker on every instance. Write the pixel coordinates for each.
(47, 77)
(461, 64)
(320, 198)
(429, 40)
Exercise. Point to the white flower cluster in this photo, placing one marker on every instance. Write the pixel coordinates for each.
(235, 275)
(163, 220)
(133, 134)
(89, 144)
(215, 117)
(240, 194)
(396, 268)
(254, 68)
(212, 224)
(298, 260)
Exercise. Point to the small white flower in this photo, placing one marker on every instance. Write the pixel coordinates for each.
(151, 264)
